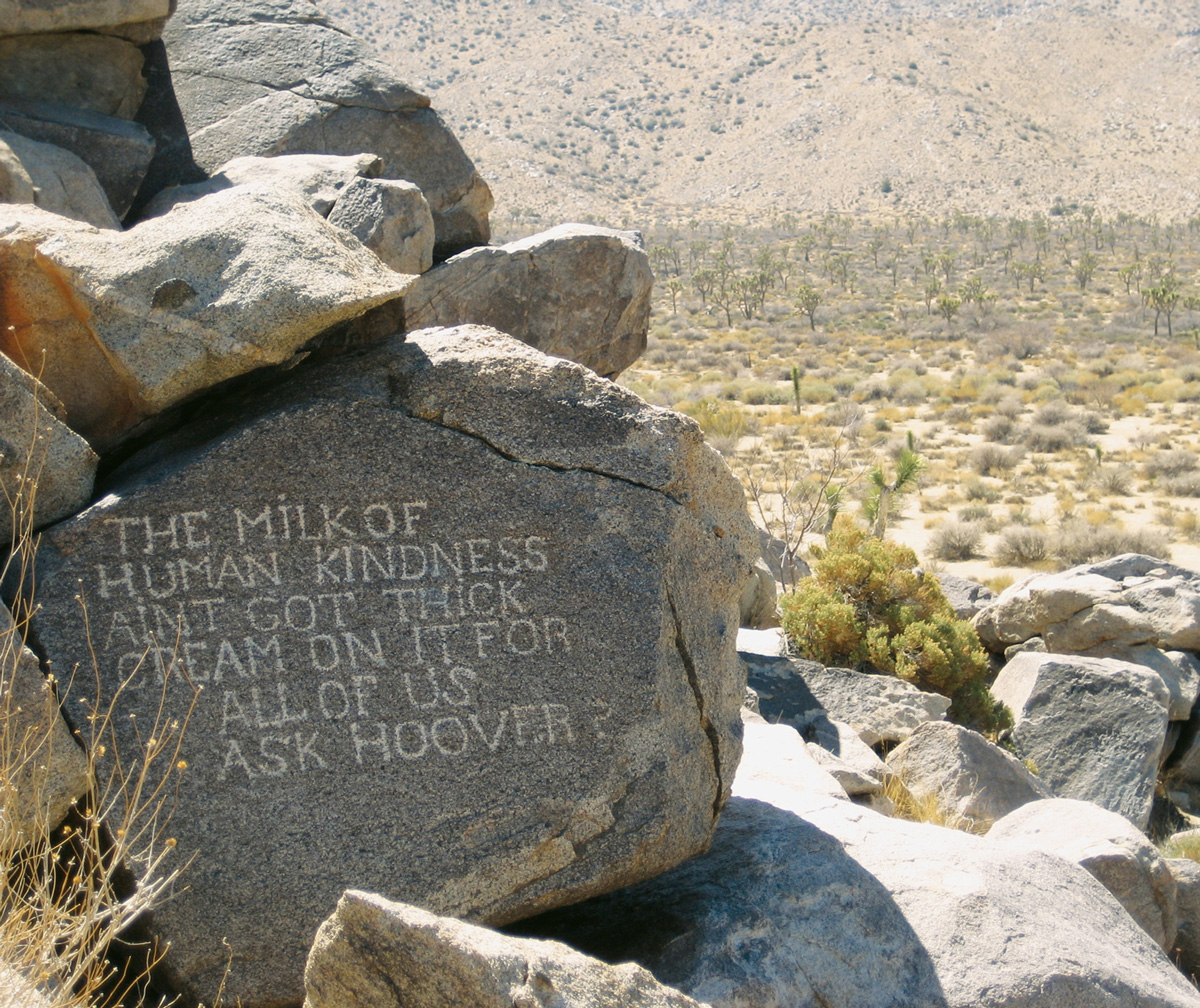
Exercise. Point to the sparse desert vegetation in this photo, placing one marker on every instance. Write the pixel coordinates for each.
(1056, 424)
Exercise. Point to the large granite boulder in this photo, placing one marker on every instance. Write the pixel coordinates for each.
(1118, 603)
(276, 77)
(122, 325)
(1110, 848)
(966, 597)
(963, 774)
(1094, 727)
(117, 150)
(94, 72)
(46, 769)
(54, 179)
(576, 291)
(805, 901)
(373, 953)
(463, 617)
(46, 469)
(806, 695)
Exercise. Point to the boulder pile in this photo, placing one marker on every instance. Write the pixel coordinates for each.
(452, 618)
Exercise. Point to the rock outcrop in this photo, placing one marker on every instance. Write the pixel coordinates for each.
(464, 618)
(263, 77)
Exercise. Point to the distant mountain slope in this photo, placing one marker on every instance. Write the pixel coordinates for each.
(640, 107)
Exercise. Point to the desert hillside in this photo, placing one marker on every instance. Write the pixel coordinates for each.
(629, 111)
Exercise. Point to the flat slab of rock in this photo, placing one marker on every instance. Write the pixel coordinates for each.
(117, 150)
(575, 291)
(1094, 727)
(21, 17)
(1128, 600)
(966, 775)
(98, 73)
(123, 325)
(53, 179)
(260, 77)
(373, 953)
(319, 178)
(804, 694)
(1109, 848)
(464, 619)
(46, 469)
(808, 902)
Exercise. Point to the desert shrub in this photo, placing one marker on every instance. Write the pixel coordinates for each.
(1112, 479)
(999, 429)
(1183, 485)
(994, 459)
(977, 490)
(956, 540)
(1077, 542)
(868, 607)
(1047, 437)
(1172, 462)
(1021, 546)
(975, 513)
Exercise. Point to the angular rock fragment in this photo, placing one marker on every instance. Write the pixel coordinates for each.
(21, 17)
(1113, 851)
(575, 291)
(54, 179)
(117, 150)
(464, 618)
(1094, 727)
(121, 326)
(391, 218)
(259, 77)
(46, 469)
(1187, 938)
(963, 773)
(373, 953)
(881, 708)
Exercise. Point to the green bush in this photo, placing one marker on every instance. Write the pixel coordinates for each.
(868, 607)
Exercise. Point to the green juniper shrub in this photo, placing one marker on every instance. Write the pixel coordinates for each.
(868, 607)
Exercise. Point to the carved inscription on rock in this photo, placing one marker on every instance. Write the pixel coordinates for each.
(395, 633)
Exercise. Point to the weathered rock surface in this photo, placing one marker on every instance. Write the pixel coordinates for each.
(464, 616)
(1128, 600)
(1114, 852)
(373, 953)
(853, 763)
(117, 150)
(758, 600)
(319, 178)
(803, 693)
(966, 597)
(808, 902)
(50, 769)
(787, 568)
(776, 755)
(391, 218)
(127, 324)
(965, 774)
(1179, 670)
(52, 178)
(275, 77)
(46, 469)
(575, 291)
(98, 73)
(770, 642)
(20, 17)
(1187, 903)
(1093, 726)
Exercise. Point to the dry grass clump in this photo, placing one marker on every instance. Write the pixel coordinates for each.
(925, 808)
(956, 540)
(1021, 546)
(70, 892)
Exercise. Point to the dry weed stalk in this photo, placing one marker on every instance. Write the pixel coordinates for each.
(69, 891)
